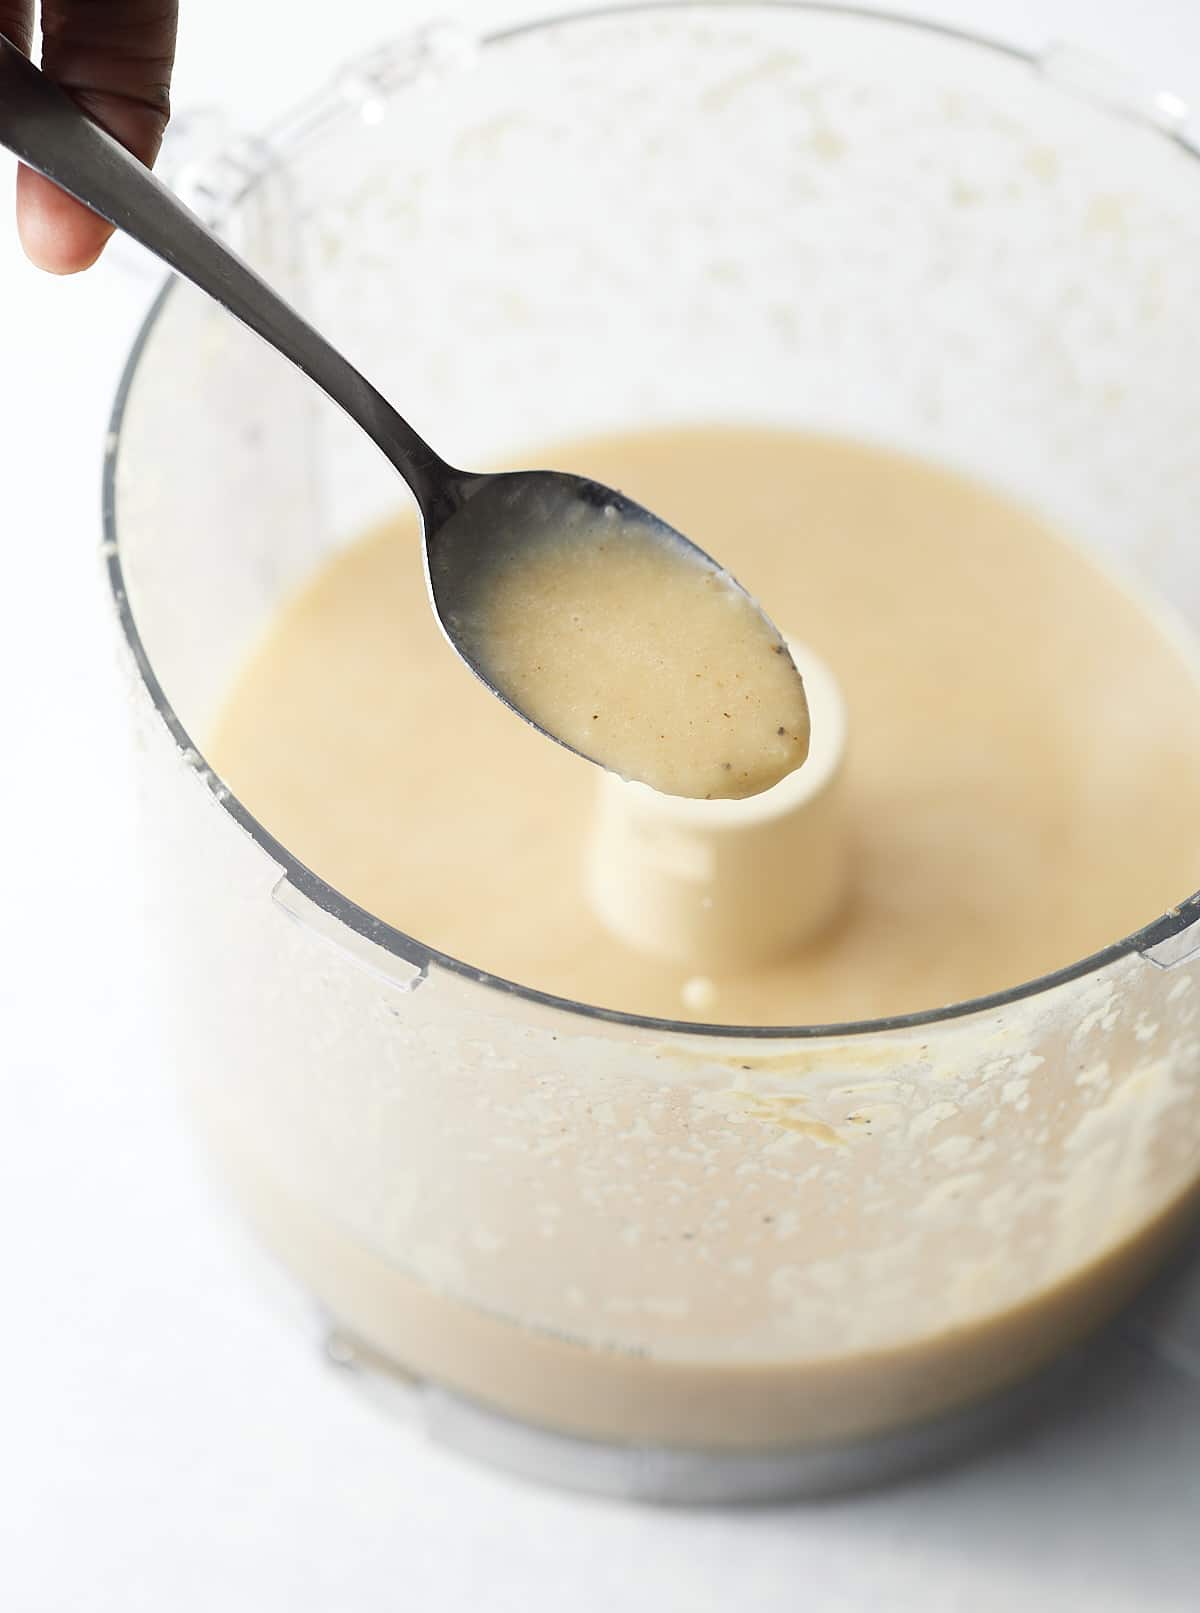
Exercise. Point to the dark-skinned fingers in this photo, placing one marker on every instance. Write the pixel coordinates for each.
(115, 58)
(16, 22)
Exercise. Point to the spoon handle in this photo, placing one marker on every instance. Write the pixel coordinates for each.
(42, 126)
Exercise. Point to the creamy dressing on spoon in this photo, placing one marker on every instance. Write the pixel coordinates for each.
(637, 651)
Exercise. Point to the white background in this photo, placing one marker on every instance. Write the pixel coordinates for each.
(169, 1442)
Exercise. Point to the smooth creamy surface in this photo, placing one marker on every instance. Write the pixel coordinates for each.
(1023, 782)
(640, 654)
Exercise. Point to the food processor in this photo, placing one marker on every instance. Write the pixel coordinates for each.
(560, 1232)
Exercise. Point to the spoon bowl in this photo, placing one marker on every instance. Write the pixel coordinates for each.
(616, 636)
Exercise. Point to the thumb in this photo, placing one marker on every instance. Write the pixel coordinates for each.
(114, 57)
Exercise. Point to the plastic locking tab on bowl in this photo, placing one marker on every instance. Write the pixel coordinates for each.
(397, 971)
(1181, 940)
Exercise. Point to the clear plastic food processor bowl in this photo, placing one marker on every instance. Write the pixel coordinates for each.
(571, 1230)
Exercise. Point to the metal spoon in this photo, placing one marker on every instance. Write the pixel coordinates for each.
(464, 515)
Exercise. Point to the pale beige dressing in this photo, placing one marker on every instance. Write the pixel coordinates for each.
(1024, 786)
(642, 656)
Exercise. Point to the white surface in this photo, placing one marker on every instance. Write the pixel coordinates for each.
(167, 1440)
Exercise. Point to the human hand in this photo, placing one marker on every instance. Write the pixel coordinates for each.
(115, 58)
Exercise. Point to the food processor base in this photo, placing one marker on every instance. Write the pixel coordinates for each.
(677, 1476)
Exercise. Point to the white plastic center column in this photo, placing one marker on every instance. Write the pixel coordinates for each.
(726, 886)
